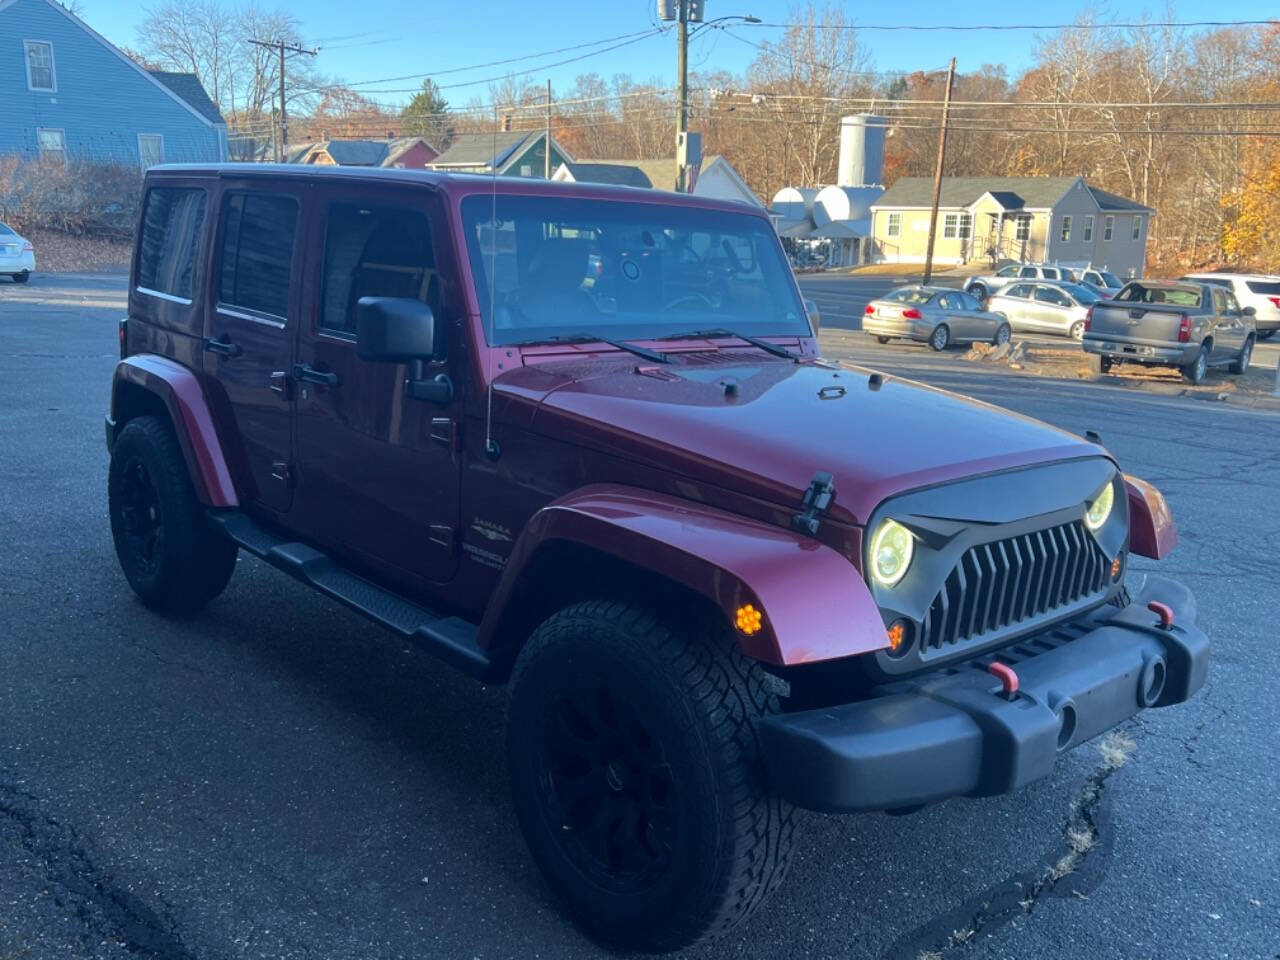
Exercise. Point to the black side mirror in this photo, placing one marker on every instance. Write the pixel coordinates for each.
(394, 329)
(402, 330)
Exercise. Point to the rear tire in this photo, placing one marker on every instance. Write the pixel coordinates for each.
(1099, 364)
(1003, 333)
(1241, 363)
(1077, 330)
(882, 339)
(174, 559)
(1195, 371)
(635, 771)
(22, 277)
(977, 290)
(940, 337)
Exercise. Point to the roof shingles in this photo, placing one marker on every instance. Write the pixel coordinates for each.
(187, 87)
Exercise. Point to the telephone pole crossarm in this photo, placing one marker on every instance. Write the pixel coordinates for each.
(281, 47)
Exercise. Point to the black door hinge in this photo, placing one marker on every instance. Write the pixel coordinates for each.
(817, 501)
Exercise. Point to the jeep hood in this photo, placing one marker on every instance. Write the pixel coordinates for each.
(765, 427)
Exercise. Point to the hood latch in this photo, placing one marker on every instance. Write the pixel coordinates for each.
(817, 501)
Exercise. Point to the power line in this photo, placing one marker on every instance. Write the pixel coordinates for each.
(973, 27)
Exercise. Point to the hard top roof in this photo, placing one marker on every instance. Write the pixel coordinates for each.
(455, 185)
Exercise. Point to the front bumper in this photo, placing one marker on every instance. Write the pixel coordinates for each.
(954, 732)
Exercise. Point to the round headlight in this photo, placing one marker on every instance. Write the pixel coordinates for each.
(1100, 509)
(891, 550)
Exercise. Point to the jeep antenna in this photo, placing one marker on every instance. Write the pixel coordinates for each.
(491, 448)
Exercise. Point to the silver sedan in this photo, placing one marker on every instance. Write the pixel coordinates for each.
(1046, 307)
(933, 315)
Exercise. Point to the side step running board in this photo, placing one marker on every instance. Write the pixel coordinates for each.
(452, 639)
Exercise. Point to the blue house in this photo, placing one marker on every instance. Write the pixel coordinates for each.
(68, 93)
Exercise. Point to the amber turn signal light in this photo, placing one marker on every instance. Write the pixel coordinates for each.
(749, 620)
(1115, 568)
(898, 637)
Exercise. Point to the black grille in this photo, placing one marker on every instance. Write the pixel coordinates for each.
(998, 585)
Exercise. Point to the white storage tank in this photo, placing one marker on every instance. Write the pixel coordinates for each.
(838, 204)
(794, 203)
(861, 150)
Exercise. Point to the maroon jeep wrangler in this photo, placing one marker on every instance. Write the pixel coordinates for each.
(580, 439)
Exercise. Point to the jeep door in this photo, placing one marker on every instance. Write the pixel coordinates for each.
(254, 302)
(377, 469)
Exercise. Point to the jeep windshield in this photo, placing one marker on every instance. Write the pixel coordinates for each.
(547, 268)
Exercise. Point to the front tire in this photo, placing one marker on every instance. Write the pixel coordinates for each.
(1241, 363)
(173, 558)
(1099, 364)
(940, 337)
(635, 773)
(1003, 333)
(1077, 330)
(882, 340)
(977, 290)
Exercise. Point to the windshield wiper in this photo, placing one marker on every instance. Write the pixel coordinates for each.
(765, 345)
(655, 355)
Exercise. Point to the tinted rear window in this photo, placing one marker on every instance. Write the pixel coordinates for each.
(1263, 286)
(257, 252)
(909, 295)
(171, 224)
(1178, 296)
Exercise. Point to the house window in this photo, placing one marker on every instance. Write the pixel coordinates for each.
(171, 225)
(526, 170)
(1066, 229)
(1023, 231)
(895, 225)
(53, 143)
(1108, 228)
(1088, 229)
(1137, 228)
(40, 73)
(150, 149)
(949, 223)
(966, 226)
(257, 252)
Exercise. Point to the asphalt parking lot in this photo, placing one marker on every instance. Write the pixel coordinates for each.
(278, 778)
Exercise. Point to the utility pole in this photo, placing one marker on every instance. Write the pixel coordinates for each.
(547, 145)
(937, 176)
(282, 142)
(682, 68)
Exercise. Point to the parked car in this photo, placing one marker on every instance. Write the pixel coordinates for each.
(1260, 291)
(1106, 283)
(1191, 326)
(17, 255)
(937, 316)
(723, 578)
(1045, 307)
(984, 286)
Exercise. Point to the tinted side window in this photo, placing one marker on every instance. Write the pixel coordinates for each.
(1050, 273)
(375, 252)
(171, 223)
(946, 302)
(257, 251)
(1027, 272)
(1219, 303)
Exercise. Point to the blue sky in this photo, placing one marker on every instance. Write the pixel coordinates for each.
(391, 38)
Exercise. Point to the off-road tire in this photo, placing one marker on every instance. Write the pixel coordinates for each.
(1099, 364)
(1194, 372)
(940, 338)
(190, 561)
(1241, 363)
(697, 700)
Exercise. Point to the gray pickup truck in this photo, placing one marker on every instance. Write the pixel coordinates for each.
(1191, 326)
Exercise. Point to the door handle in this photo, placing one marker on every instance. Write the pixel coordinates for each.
(224, 347)
(311, 375)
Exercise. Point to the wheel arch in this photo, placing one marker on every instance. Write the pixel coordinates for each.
(615, 540)
(149, 385)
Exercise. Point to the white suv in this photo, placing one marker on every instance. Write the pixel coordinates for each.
(984, 285)
(1260, 291)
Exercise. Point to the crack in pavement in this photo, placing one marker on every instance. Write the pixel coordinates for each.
(89, 892)
(1059, 873)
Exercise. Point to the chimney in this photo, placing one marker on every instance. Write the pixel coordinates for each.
(861, 151)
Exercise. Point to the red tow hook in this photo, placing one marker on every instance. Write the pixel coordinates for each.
(1165, 612)
(1008, 679)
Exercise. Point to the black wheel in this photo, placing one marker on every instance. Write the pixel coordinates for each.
(170, 554)
(1241, 363)
(1003, 333)
(1099, 364)
(1195, 370)
(22, 277)
(940, 337)
(977, 290)
(882, 339)
(635, 772)
(1077, 330)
